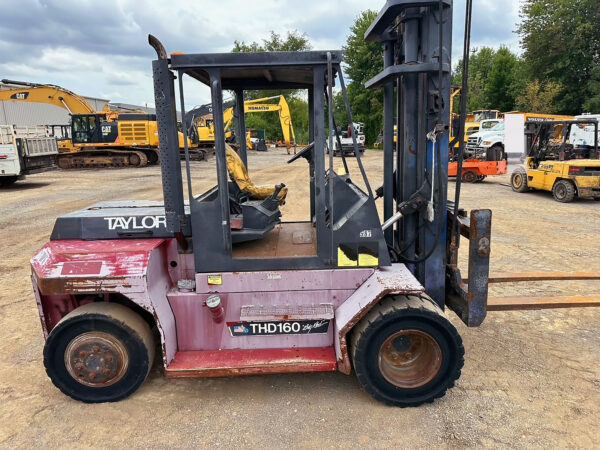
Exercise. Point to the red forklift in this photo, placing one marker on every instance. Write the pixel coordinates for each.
(225, 287)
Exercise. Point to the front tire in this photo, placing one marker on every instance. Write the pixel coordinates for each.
(99, 352)
(563, 191)
(8, 181)
(405, 352)
(494, 153)
(518, 180)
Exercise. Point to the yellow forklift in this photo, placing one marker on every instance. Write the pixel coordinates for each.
(562, 157)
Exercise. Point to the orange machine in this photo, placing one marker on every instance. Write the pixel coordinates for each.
(474, 170)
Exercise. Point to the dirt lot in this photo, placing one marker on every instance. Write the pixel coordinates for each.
(530, 378)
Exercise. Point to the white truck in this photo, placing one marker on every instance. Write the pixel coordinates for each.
(487, 144)
(24, 151)
(346, 140)
(584, 135)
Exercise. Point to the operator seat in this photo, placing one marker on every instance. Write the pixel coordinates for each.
(239, 175)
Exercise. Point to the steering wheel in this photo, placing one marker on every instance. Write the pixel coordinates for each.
(304, 153)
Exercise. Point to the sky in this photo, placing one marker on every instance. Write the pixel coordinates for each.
(100, 49)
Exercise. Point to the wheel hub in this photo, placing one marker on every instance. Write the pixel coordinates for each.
(469, 177)
(409, 358)
(96, 359)
(518, 180)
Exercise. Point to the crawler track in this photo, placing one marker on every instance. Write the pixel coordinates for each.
(102, 158)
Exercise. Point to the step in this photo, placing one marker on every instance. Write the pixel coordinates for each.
(258, 313)
(226, 363)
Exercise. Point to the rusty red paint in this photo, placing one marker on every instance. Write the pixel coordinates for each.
(391, 280)
(221, 363)
(134, 268)
(117, 258)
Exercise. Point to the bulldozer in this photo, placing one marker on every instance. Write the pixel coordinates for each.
(106, 138)
(559, 162)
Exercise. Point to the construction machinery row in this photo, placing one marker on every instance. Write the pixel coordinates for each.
(118, 138)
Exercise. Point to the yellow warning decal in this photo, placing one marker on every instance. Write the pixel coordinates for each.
(344, 260)
(364, 259)
(215, 279)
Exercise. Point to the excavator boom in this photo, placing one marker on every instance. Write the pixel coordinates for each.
(46, 93)
(257, 105)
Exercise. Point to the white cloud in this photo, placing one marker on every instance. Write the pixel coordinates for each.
(101, 50)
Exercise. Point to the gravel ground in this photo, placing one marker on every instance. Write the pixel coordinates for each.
(531, 379)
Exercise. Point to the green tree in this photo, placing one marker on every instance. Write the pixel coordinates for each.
(592, 104)
(493, 78)
(500, 79)
(539, 97)
(561, 43)
(269, 121)
(293, 42)
(363, 61)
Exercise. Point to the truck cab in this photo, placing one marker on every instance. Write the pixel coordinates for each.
(488, 142)
(347, 144)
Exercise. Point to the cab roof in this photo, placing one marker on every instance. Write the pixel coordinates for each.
(259, 70)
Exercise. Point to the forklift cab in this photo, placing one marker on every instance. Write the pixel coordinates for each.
(229, 230)
(560, 140)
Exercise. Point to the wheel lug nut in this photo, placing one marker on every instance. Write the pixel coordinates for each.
(82, 354)
(92, 376)
(106, 371)
(79, 366)
(96, 349)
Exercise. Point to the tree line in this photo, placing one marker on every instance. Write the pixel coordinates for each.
(557, 71)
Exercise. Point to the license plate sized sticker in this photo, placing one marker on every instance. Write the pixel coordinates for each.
(287, 327)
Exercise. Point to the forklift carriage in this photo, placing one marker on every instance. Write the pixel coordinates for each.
(231, 289)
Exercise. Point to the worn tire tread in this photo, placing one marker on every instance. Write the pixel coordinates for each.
(420, 305)
(119, 313)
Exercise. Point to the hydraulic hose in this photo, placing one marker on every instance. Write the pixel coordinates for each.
(463, 112)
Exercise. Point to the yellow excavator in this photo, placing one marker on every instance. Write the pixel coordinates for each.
(205, 127)
(106, 138)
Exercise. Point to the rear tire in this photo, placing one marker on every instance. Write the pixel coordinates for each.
(563, 191)
(405, 352)
(469, 177)
(518, 180)
(99, 352)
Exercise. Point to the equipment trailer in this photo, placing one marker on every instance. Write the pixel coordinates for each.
(25, 151)
(231, 289)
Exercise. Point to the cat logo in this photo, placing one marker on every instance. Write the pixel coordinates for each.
(20, 96)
